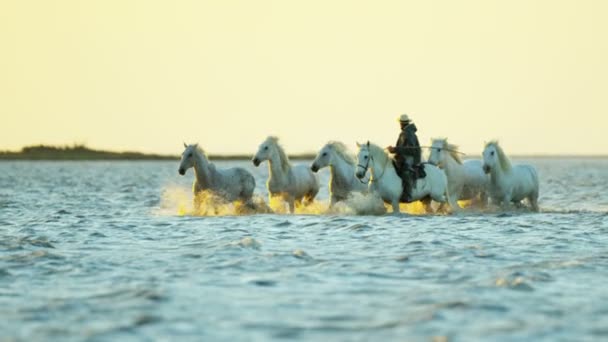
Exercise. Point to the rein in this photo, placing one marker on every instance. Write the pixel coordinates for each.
(430, 147)
(445, 149)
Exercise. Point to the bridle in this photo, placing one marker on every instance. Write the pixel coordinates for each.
(364, 170)
(375, 179)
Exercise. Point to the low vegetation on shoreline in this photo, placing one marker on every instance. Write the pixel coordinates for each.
(82, 152)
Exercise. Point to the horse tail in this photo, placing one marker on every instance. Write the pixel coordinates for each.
(533, 198)
(535, 180)
(315, 185)
(248, 182)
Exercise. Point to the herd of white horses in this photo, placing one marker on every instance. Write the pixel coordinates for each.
(448, 179)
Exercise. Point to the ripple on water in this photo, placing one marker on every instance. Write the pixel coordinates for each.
(483, 254)
(402, 258)
(517, 283)
(263, 282)
(493, 307)
(25, 259)
(358, 227)
(97, 235)
(300, 254)
(4, 273)
(247, 242)
(150, 294)
(12, 243)
(283, 224)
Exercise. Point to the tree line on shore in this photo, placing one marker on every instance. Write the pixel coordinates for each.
(82, 152)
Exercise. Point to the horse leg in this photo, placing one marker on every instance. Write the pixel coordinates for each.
(454, 203)
(506, 202)
(308, 199)
(196, 202)
(426, 202)
(534, 203)
(292, 205)
(483, 199)
(246, 199)
(443, 200)
(533, 199)
(395, 204)
(332, 201)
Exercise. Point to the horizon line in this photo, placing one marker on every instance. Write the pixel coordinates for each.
(301, 155)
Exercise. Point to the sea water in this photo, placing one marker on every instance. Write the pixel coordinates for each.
(115, 251)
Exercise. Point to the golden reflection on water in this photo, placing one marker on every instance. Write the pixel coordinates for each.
(178, 200)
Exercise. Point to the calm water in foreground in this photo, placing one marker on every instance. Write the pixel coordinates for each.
(98, 251)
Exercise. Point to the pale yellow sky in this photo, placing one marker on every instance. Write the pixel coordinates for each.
(148, 75)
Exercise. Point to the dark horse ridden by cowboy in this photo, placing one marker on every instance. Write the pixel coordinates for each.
(407, 157)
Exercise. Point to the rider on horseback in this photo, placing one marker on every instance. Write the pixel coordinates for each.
(407, 155)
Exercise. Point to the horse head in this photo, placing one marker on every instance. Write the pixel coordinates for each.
(438, 147)
(363, 159)
(271, 149)
(491, 157)
(264, 152)
(187, 160)
(323, 158)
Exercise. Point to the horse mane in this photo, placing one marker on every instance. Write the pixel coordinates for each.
(342, 151)
(505, 164)
(198, 149)
(201, 151)
(285, 164)
(453, 149)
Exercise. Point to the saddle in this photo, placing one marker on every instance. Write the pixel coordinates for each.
(416, 172)
(419, 171)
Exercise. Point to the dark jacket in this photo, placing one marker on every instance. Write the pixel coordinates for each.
(408, 146)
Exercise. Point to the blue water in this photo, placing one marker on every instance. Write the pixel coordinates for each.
(99, 251)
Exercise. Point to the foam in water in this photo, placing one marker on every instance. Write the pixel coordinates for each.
(178, 200)
(175, 200)
(359, 204)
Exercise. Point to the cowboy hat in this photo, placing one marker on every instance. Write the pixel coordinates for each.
(403, 118)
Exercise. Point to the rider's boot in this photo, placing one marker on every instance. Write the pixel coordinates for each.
(407, 188)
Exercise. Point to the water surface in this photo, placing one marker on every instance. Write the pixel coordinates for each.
(99, 251)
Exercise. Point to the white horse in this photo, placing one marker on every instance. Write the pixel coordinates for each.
(466, 180)
(509, 184)
(342, 179)
(385, 181)
(291, 183)
(229, 184)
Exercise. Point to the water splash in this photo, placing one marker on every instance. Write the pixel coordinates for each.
(356, 204)
(360, 204)
(176, 200)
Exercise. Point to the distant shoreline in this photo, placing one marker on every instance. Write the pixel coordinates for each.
(81, 152)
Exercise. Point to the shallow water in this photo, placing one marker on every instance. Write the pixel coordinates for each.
(101, 251)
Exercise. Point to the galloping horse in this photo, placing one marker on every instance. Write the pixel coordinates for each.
(385, 181)
(342, 179)
(509, 184)
(230, 184)
(291, 183)
(466, 180)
